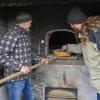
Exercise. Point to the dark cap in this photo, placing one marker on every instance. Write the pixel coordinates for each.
(76, 16)
(23, 17)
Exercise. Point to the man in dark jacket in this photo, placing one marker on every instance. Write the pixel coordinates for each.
(16, 55)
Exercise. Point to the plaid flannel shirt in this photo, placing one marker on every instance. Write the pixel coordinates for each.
(15, 51)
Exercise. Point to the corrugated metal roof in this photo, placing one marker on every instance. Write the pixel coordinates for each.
(15, 2)
(10, 3)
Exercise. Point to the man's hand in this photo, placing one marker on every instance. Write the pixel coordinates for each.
(57, 50)
(25, 69)
(64, 48)
(44, 61)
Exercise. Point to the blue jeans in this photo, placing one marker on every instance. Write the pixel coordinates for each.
(98, 96)
(20, 88)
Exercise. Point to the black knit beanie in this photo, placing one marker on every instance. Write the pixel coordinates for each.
(76, 16)
(23, 17)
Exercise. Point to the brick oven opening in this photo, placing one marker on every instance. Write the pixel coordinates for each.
(60, 38)
(56, 38)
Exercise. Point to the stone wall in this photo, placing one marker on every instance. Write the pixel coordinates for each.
(74, 76)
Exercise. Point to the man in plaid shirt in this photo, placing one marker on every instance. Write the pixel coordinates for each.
(16, 55)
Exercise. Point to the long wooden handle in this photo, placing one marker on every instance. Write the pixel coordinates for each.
(3, 80)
